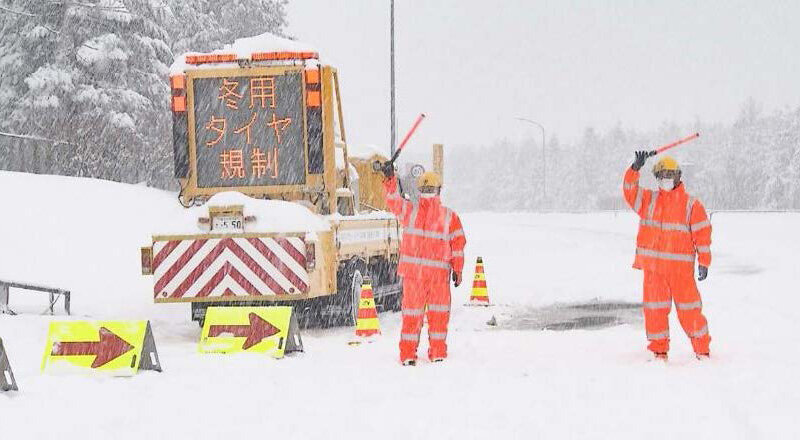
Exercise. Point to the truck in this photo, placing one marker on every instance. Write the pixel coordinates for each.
(278, 212)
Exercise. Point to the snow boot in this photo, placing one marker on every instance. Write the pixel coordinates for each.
(660, 357)
(409, 362)
(437, 359)
(703, 356)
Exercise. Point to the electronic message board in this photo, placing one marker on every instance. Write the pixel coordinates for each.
(249, 130)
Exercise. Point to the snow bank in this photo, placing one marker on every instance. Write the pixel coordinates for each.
(243, 48)
(84, 235)
(270, 216)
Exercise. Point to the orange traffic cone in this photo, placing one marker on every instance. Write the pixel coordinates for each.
(367, 323)
(480, 294)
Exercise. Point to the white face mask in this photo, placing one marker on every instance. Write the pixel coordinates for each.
(428, 195)
(666, 184)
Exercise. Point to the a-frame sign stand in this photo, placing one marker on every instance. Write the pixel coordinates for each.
(7, 381)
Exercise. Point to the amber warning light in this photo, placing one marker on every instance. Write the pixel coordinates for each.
(258, 56)
(178, 85)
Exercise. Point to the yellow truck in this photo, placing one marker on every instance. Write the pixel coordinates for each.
(277, 211)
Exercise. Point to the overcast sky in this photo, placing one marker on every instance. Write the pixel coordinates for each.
(474, 65)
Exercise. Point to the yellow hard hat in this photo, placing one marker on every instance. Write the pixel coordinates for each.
(666, 163)
(429, 178)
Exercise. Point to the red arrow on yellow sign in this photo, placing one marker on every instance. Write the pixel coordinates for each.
(255, 332)
(106, 350)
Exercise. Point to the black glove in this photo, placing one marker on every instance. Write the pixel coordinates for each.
(641, 158)
(702, 272)
(456, 279)
(388, 169)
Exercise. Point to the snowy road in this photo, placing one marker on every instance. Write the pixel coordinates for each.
(498, 382)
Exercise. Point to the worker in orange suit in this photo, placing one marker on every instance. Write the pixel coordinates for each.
(673, 230)
(431, 252)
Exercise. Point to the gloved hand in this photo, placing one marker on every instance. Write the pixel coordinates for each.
(641, 158)
(702, 272)
(388, 169)
(457, 278)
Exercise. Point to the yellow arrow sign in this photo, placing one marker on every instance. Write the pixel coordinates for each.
(270, 330)
(118, 347)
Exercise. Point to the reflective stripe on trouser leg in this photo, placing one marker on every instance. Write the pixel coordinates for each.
(690, 310)
(657, 303)
(414, 295)
(438, 315)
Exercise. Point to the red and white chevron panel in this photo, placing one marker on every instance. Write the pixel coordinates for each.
(236, 266)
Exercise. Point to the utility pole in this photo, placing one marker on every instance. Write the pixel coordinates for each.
(544, 156)
(393, 141)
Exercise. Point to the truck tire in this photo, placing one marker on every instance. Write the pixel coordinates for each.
(348, 291)
(199, 313)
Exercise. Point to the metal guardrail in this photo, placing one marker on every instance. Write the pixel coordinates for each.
(54, 293)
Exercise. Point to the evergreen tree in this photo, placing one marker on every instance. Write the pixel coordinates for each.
(95, 73)
(206, 25)
(27, 35)
(99, 83)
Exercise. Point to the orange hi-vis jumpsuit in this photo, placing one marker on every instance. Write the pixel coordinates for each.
(432, 245)
(673, 228)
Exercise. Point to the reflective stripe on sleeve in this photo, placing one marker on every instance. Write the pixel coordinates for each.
(628, 186)
(409, 337)
(664, 226)
(438, 308)
(413, 312)
(665, 255)
(458, 253)
(700, 225)
(689, 205)
(657, 336)
(658, 305)
(437, 336)
(652, 207)
(458, 233)
(702, 332)
(425, 262)
(704, 249)
(413, 218)
(637, 204)
(689, 306)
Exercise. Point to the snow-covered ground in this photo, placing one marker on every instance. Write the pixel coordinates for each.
(498, 383)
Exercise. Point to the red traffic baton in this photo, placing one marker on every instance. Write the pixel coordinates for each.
(377, 165)
(408, 135)
(666, 147)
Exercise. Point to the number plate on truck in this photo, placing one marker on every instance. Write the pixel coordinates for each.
(227, 223)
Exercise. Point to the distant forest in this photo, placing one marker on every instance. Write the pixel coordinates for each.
(92, 78)
(89, 81)
(754, 163)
